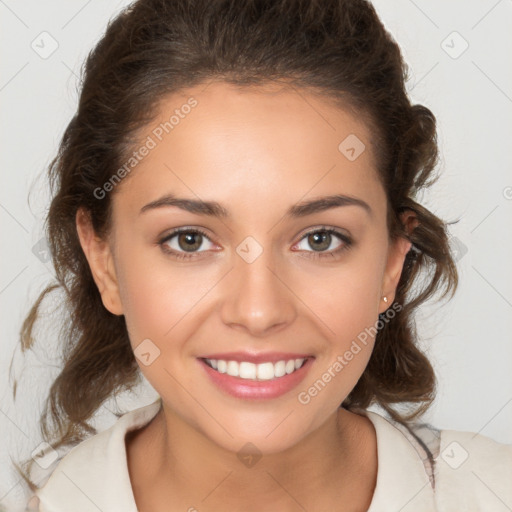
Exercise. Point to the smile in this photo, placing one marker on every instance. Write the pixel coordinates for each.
(267, 376)
(259, 372)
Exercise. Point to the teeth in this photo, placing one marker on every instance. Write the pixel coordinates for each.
(280, 369)
(265, 371)
(247, 370)
(251, 371)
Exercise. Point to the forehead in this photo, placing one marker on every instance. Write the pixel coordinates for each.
(274, 143)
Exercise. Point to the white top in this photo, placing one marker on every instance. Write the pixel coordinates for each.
(472, 472)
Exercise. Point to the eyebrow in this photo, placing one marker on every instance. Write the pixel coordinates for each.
(215, 209)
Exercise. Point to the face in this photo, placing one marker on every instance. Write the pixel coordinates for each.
(263, 277)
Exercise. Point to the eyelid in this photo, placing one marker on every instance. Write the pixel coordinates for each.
(164, 239)
(322, 227)
(183, 229)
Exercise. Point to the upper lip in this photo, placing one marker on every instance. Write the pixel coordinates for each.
(261, 357)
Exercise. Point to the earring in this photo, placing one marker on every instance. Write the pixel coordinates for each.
(385, 299)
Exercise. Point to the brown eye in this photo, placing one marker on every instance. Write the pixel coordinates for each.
(322, 242)
(185, 243)
(190, 241)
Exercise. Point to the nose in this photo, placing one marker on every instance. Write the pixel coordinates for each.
(257, 297)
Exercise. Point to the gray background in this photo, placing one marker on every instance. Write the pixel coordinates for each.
(469, 91)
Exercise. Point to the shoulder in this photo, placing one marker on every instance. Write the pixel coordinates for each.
(474, 472)
(94, 474)
(466, 470)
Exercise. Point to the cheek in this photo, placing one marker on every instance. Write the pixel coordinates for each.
(158, 297)
(345, 299)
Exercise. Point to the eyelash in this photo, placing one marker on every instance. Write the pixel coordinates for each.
(347, 243)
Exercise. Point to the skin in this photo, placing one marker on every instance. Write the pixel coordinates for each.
(257, 151)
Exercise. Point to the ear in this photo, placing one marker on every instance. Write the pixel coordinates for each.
(396, 258)
(100, 259)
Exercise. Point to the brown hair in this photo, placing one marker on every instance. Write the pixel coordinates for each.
(153, 48)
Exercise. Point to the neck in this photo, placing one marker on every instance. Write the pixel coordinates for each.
(327, 465)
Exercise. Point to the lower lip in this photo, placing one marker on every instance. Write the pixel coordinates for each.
(257, 389)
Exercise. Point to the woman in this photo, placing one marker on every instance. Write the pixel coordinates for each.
(234, 215)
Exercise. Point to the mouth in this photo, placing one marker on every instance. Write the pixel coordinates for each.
(256, 377)
(256, 372)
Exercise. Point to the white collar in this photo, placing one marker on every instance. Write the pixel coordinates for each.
(93, 476)
(402, 482)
